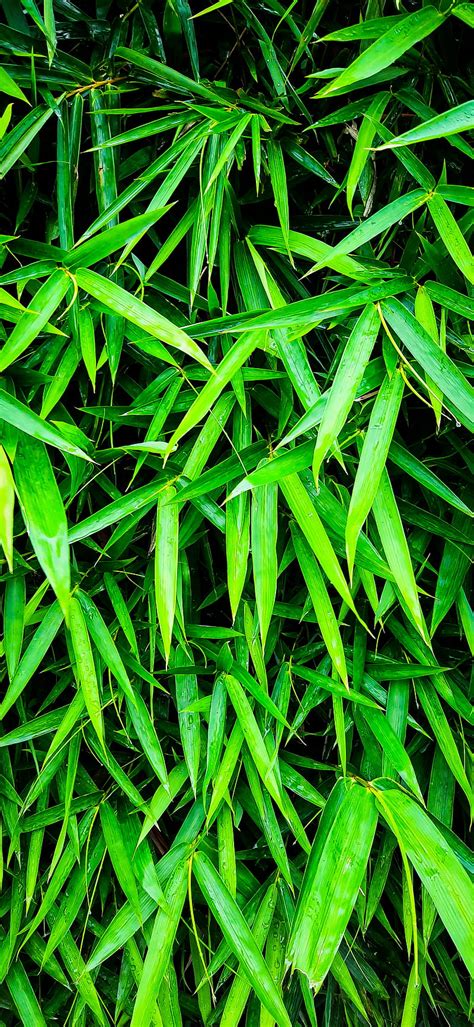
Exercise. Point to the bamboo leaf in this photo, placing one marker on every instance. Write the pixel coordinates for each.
(120, 859)
(451, 235)
(321, 602)
(277, 170)
(44, 515)
(236, 356)
(7, 502)
(376, 224)
(346, 382)
(333, 877)
(311, 525)
(440, 368)
(251, 732)
(395, 546)
(237, 934)
(372, 460)
(458, 119)
(119, 301)
(189, 722)
(19, 416)
(444, 879)
(364, 141)
(264, 553)
(160, 947)
(9, 86)
(85, 668)
(387, 48)
(35, 317)
(166, 564)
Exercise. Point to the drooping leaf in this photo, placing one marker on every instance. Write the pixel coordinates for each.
(373, 458)
(443, 877)
(332, 880)
(44, 515)
(237, 934)
(166, 564)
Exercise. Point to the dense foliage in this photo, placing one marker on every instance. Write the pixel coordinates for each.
(235, 521)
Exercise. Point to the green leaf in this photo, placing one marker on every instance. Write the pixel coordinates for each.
(346, 383)
(440, 368)
(17, 414)
(387, 49)
(402, 458)
(371, 28)
(322, 605)
(14, 620)
(237, 933)
(393, 749)
(312, 527)
(364, 141)
(10, 87)
(160, 946)
(452, 236)
(442, 875)
(441, 730)
(276, 165)
(44, 515)
(33, 656)
(465, 13)
(241, 986)
(7, 502)
(332, 880)
(453, 569)
(457, 119)
(94, 250)
(23, 996)
(15, 142)
(168, 76)
(264, 532)
(105, 644)
(229, 365)
(118, 853)
(450, 299)
(85, 668)
(395, 546)
(35, 317)
(252, 734)
(166, 564)
(114, 512)
(228, 150)
(119, 301)
(189, 722)
(147, 736)
(372, 459)
(376, 224)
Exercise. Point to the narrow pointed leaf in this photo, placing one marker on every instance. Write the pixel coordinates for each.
(333, 877)
(442, 875)
(373, 458)
(166, 564)
(237, 933)
(346, 382)
(44, 515)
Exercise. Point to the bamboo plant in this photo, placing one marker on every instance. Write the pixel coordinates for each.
(236, 513)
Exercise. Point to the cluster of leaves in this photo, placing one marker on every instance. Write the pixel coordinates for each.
(235, 523)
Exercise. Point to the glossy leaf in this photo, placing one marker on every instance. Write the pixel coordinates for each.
(372, 460)
(237, 934)
(44, 515)
(332, 880)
